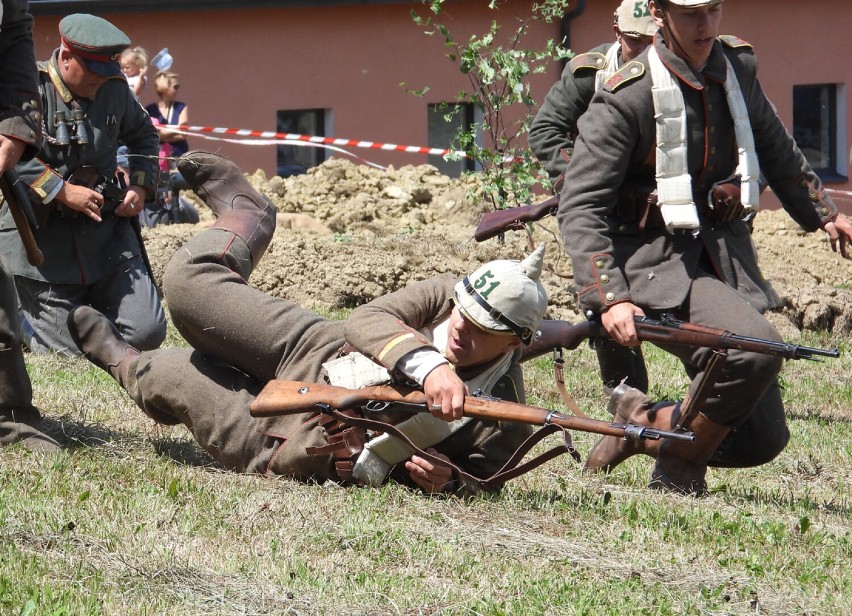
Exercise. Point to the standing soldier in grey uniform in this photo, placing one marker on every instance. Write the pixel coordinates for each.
(92, 253)
(690, 111)
(554, 129)
(448, 336)
(20, 130)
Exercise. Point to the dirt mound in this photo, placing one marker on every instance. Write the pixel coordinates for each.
(375, 231)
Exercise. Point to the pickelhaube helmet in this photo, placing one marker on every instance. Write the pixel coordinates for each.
(505, 296)
(630, 23)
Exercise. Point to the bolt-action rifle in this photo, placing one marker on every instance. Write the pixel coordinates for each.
(667, 330)
(513, 218)
(290, 397)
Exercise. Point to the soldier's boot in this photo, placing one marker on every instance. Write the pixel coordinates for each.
(628, 405)
(682, 466)
(239, 208)
(20, 421)
(100, 342)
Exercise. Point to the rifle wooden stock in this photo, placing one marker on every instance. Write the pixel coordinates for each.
(494, 223)
(290, 397)
(19, 205)
(561, 334)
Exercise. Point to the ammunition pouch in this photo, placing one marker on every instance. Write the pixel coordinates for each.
(637, 204)
(724, 202)
(345, 444)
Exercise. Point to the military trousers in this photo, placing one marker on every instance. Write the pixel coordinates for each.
(746, 396)
(127, 297)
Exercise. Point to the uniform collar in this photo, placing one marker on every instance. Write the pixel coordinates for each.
(56, 79)
(715, 68)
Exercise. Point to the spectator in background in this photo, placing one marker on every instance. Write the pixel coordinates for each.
(169, 111)
(134, 65)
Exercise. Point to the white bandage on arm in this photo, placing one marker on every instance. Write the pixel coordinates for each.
(417, 364)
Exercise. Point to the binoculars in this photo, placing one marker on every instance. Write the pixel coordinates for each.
(64, 135)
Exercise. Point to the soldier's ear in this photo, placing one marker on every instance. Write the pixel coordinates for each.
(657, 13)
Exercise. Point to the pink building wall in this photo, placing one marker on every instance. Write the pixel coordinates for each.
(238, 67)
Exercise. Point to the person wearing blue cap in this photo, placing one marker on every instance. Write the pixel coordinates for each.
(93, 253)
(446, 334)
(20, 131)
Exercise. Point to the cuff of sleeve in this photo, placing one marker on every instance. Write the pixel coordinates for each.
(417, 364)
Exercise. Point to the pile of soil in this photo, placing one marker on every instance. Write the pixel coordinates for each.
(348, 233)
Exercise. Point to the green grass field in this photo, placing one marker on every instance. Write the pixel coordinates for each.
(133, 518)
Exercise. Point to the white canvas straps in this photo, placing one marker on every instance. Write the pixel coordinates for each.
(674, 184)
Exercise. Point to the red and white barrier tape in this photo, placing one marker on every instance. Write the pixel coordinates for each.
(293, 137)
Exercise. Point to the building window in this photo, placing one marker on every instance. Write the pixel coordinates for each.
(444, 125)
(818, 130)
(296, 159)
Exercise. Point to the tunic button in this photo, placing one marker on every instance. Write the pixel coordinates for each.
(599, 264)
(599, 62)
(622, 227)
(824, 211)
(604, 279)
(710, 107)
(634, 70)
(610, 297)
(803, 183)
(814, 197)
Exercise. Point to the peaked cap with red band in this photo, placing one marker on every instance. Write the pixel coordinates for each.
(95, 40)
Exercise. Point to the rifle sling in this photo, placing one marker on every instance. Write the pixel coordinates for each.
(697, 395)
(510, 469)
(559, 375)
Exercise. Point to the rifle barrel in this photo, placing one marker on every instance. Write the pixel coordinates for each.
(676, 332)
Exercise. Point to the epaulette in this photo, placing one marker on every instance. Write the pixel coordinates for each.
(629, 72)
(590, 59)
(734, 41)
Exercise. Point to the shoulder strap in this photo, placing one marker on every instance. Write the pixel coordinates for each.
(628, 73)
(734, 42)
(592, 59)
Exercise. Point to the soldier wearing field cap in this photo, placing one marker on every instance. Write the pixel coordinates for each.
(690, 117)
(92, 252)
(554, 129)
(448, 335)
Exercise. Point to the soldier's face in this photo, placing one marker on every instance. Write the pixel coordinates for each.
(82, 82)
(468, 345)
(632, 44)
(690, 31)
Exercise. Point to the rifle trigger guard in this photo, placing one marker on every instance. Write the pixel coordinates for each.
(377, 406)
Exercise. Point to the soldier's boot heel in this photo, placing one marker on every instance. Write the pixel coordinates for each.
(681, 465)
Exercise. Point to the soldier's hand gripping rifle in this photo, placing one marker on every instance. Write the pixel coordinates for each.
(290, 397)
(498, 221)
(15, 195)
(668, 330)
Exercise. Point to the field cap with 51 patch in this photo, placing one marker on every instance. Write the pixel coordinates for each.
(505, 297)
(96, 41)
(630, 23)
